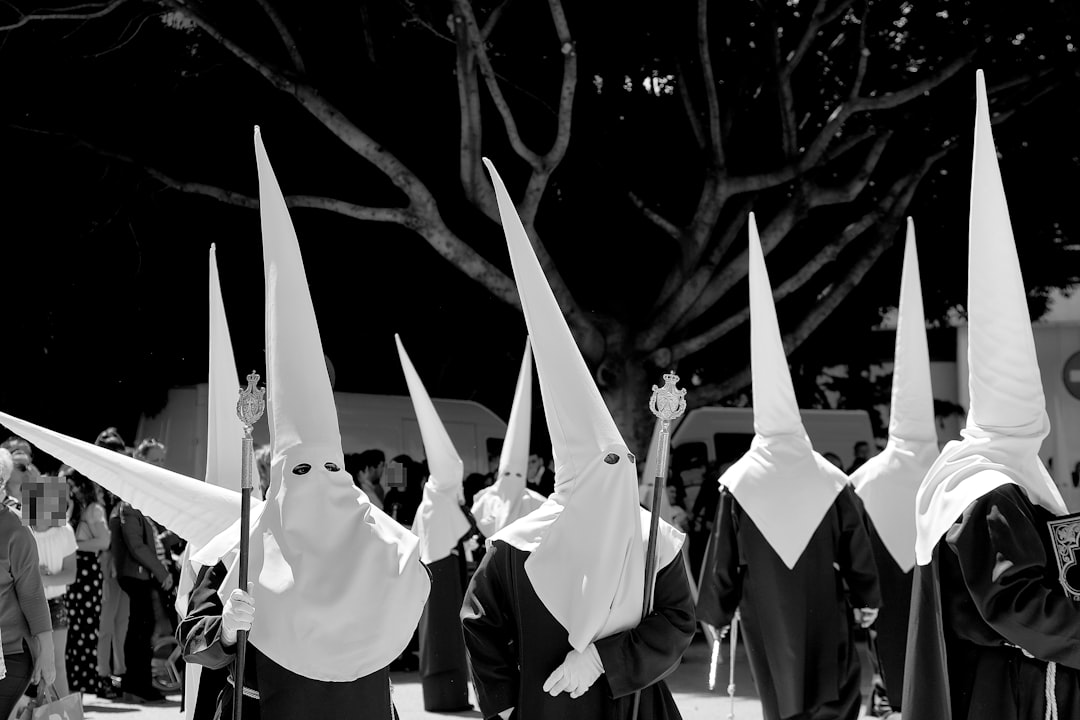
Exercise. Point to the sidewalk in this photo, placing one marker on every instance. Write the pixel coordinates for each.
(689, 685)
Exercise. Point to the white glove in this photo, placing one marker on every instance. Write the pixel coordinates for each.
(237, 615)
(576, 674)
(866, 616)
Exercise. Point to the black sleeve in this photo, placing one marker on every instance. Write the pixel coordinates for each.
(1005, 568)
(855, 554)
(490, 633)
(199, 633)
(636, 658)
(721, 585)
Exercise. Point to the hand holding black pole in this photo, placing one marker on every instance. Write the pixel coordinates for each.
(667, 404)
(249, 408)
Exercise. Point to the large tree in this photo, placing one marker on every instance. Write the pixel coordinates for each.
(637, 139)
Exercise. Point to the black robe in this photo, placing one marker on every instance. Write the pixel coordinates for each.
(515, 644)
(992, 580)
(796, 622)
(891, 625)
(444, 674)
(283, 695)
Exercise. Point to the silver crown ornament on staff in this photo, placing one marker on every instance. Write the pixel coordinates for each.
(249, 408)
(667, 403)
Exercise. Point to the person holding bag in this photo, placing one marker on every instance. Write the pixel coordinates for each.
(25, 627)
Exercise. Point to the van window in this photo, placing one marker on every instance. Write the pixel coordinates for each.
(731, 446)
(688, 455)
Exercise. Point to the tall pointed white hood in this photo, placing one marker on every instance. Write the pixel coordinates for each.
(223, 450)
(319, 549)
(889, 481)
(783, 485)
(1007, 420)
(224, 429)
(587, 562)
(440, 523)
(508, 498)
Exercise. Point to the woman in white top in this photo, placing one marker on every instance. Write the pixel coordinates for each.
(44, 507)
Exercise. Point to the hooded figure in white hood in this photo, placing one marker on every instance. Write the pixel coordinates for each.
(552, 617)
(786, 519)
(441, 525)
(887, 483)
(992, 632)
(223, 468)
(508, 499)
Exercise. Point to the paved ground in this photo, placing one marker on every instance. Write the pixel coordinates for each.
(689, 685)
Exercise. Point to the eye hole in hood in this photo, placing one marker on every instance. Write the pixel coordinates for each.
(301, 469)
(332, 467)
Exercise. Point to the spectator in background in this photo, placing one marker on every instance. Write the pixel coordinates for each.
(23, 470)
(862, 454)
(367, 469)
(541, 478)
(405, 482)
(115, 608)
(45, 505)
(88, 520)
(25, 628)
(834, 459)
(262, 463)
(151, 451)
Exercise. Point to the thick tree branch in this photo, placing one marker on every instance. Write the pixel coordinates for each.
(891, 207)
(470, 167)
(285, 34)
(716, 141)
(688, 105)
(688, 291)
(86, 11)
(463, 12)
(555, 155)
(817, 148)
(805, 198)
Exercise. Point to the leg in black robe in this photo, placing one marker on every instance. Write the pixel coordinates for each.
(991, 584)
(274, 693)
(515, 644)
(892, 623)
(796, 623)
(444, 671)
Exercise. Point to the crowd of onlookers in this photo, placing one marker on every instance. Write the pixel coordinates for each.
(90, 581)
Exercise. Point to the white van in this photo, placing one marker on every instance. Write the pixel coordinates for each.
(383, 422)
(724, 434)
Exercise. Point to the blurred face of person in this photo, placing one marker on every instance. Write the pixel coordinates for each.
(536, 465)
(672, 494)
(862, 451)
(45, 503)
(155, 455)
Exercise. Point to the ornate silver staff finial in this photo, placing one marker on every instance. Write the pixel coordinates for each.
(669, 402)
(252, 403)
